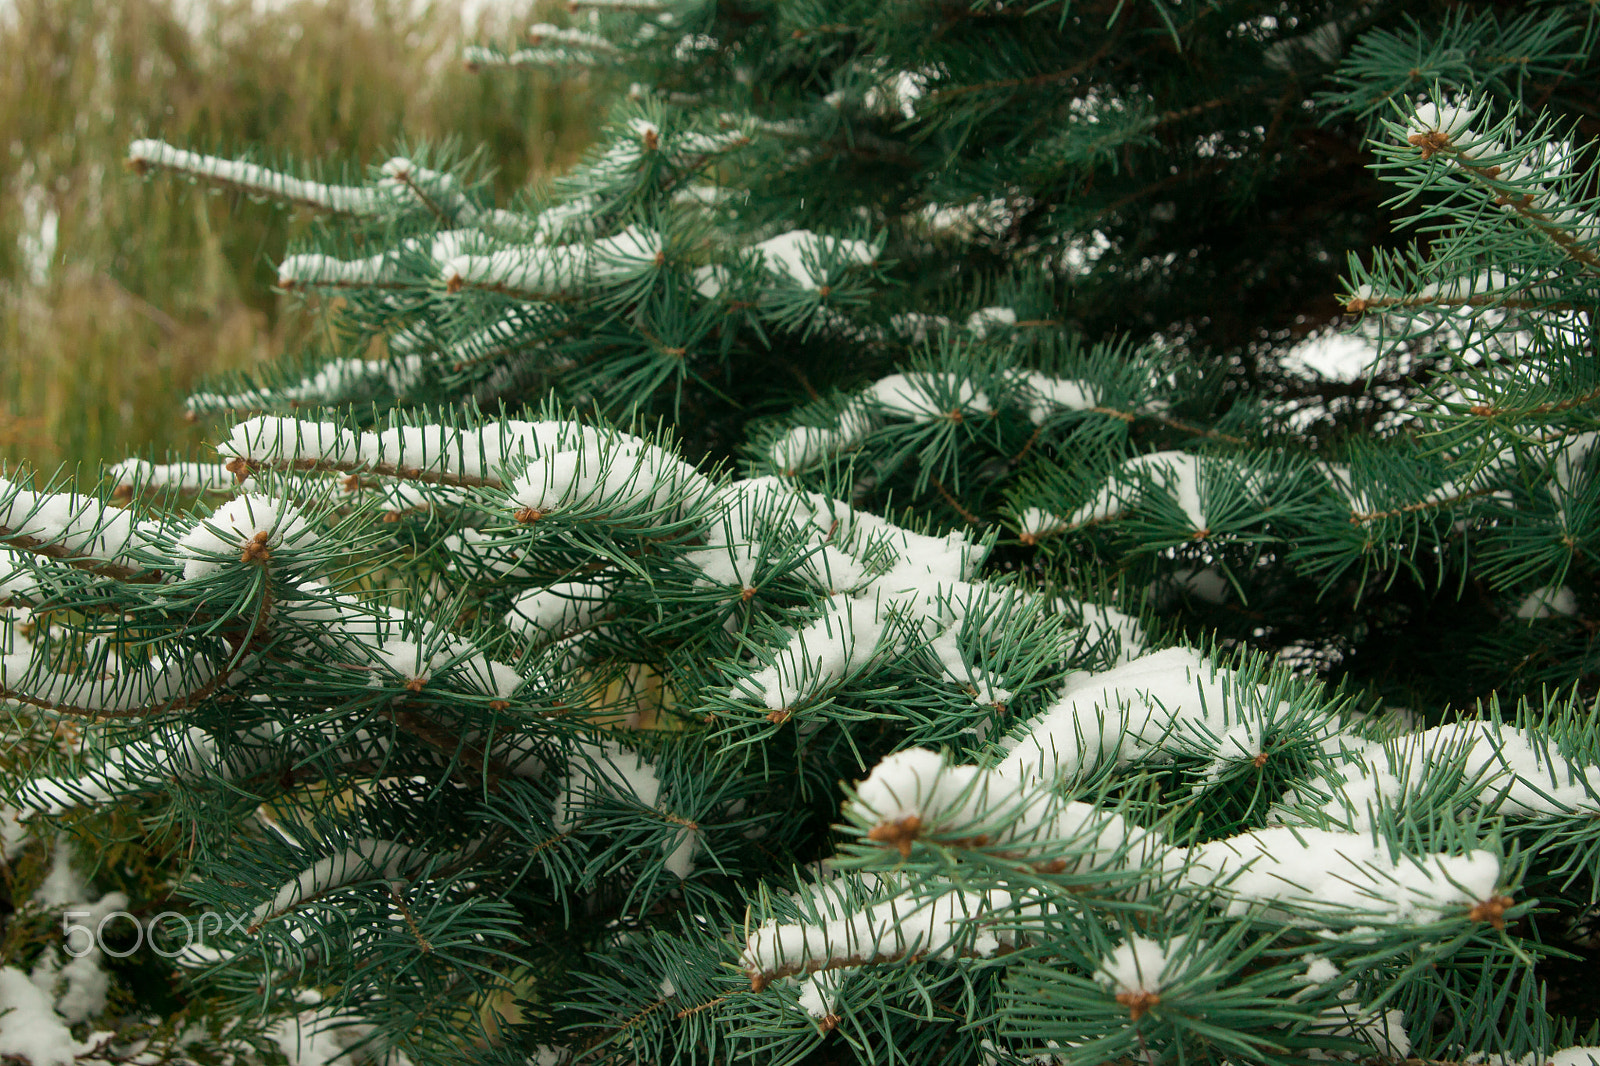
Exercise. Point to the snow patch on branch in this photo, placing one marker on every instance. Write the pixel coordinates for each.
(1176, 473)
(803, 257)
(1318, 874)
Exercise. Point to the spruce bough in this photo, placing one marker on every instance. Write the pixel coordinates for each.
(865, 566)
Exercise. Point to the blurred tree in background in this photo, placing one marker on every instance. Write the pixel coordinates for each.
(115, 295)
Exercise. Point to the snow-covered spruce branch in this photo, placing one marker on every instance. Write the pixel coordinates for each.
(255, 180)
(77, 530)
(436, 190)
(336, 382)
(1213, 492)
(1153, 708)
(609, 769)
(641, 7)
(542, 33)
(1521, 182)
(364, 859)
(1502, 769)
(796, 258)
(1487, 289)
(170, 753)
(479, 57)
(387, 270)
(164, 686)
(435, 455)
(135, 477)
(922, 396)
(905, 926)
(545, 272)
(892, 589)
(316, 271)
(248, 531)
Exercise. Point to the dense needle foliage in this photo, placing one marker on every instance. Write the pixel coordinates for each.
(984, 532)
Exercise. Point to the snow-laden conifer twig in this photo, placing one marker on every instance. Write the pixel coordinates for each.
(500, 337)
(477, 57)
(1503, 769)
(617, 472)
(1445, 132)
(901, 585)
(572, 220)
(80, 531)
(609, 769)
(804, 446)
(546, 614)
(920, 396)
(1177, 473)
(434, 454)
(1309, 876)
(186, 755)
(313, 270)
(924, 396)
(250, 530)
(1162, 701)
(1139, 968)
(132, 476)
(257, 180)
(801, 256)
(635, 6)
(162, 685)
(406, 649)
(540, 272)
(909, 925)
(915, 794)
(436, 190)
(542, 33)
(1486, 288)
(335, 382)
(254, 530)
(365, 858)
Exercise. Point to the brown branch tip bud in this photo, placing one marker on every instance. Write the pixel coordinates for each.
(255, 549)
(1138, 1002)
(1491, 910)
(1430, 142)
(901, 833)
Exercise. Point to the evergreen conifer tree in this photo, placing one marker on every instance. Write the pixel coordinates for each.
(880, 562)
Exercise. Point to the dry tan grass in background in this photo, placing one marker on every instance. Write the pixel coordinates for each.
(116, 294)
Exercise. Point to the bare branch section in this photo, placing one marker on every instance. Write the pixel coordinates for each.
(1361, 518)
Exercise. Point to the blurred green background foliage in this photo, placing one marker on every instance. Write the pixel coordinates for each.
(117, 295)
